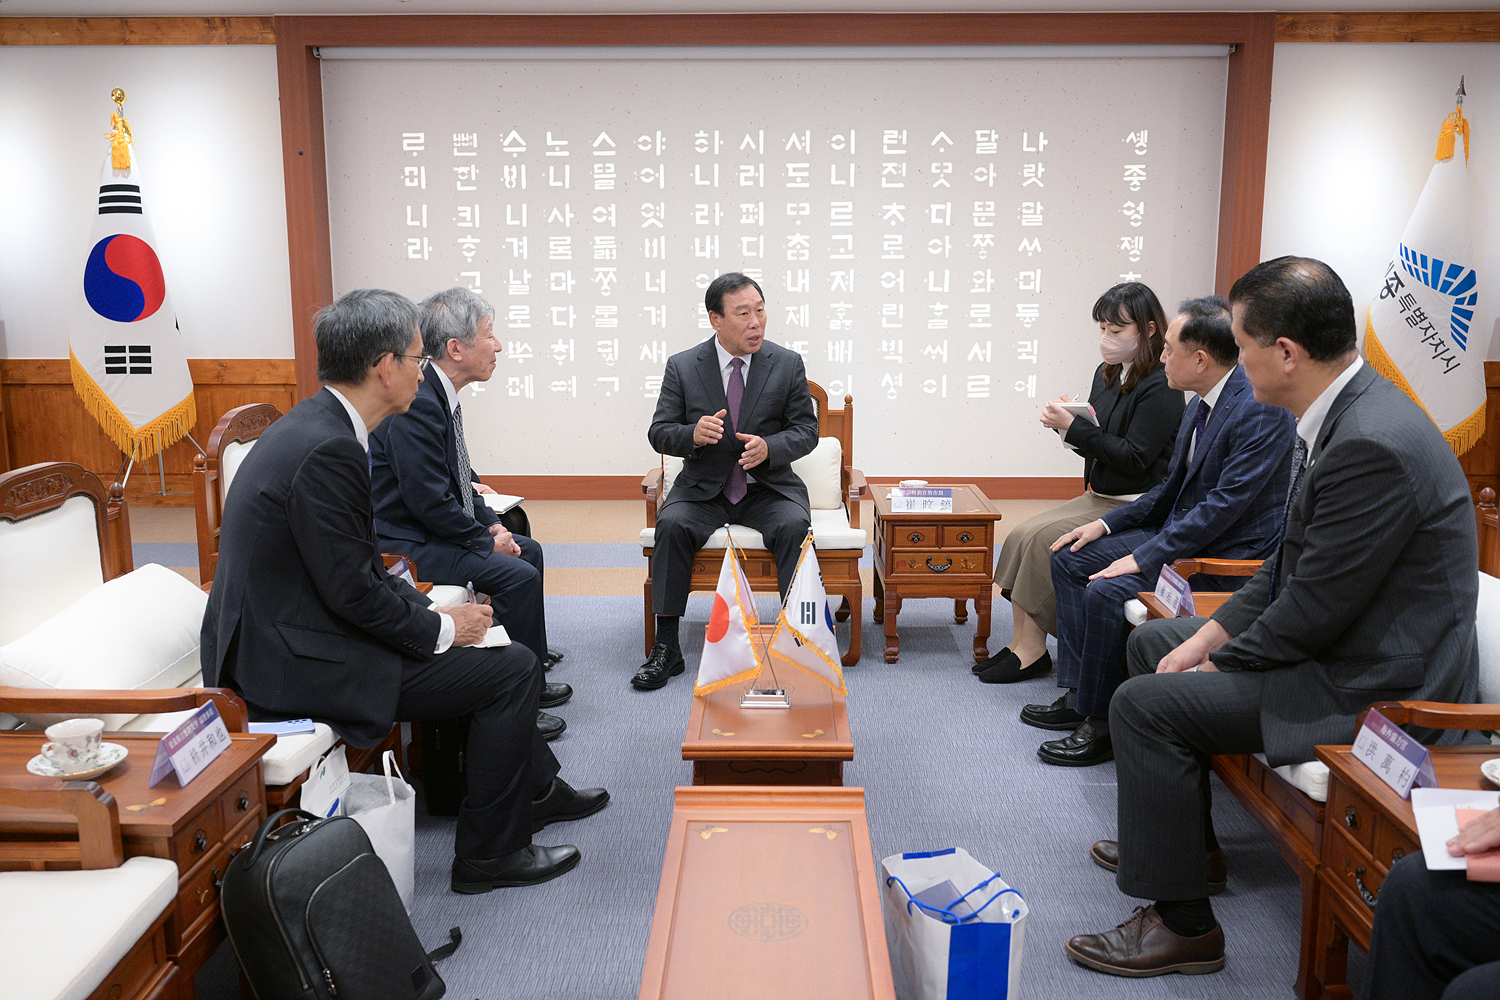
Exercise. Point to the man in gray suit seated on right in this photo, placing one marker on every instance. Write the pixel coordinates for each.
(1371, 596)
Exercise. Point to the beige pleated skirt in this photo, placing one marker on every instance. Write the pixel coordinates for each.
(1024, 570)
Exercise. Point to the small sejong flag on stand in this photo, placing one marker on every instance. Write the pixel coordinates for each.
(1419, 329)
(729, 653)
(128, 362)
(804, 632)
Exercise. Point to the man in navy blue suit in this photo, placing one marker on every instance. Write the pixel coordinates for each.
(1223, 497)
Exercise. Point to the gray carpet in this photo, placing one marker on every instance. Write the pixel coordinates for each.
(943, 762)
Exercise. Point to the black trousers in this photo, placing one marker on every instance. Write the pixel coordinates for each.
(1436, 935)
(683, 527)
(508, 762)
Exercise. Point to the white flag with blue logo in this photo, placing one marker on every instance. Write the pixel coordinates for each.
(804, 632)
(1420, 330)
(128, 362)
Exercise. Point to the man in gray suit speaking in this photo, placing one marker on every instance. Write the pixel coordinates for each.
(736, 409)
(1371, 596)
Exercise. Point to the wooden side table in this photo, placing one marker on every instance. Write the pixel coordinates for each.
(197, 827)
(806, 744)
(935, 555)
(1369, 828)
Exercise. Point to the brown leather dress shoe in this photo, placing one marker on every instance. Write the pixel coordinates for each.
(1106, 854)
(1144, 946)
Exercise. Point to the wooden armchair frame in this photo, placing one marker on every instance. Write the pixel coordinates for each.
(37, 489)
(840, 567)
(237, 426)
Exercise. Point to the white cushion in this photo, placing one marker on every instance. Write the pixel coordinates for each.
(120, 904)
(1135, 612)
(1487, 621)
(445, 595)
(235, 452)
(59, 552)
(830, 531)
(1311, 777)
(138, 631)
(821, 471)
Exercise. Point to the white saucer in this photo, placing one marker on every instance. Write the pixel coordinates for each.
(1491, 769)
(110, 755)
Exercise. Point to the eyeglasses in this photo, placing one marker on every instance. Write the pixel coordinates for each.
(422, 360)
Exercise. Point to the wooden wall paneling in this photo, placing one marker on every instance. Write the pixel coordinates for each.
(48, 423)
(136, 31)
(1389, 26)
(1247, 136)
(1481, 463)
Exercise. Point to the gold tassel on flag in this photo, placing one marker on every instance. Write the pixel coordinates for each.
(119, 133)
(1455, 124)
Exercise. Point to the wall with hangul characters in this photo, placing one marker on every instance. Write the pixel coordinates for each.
(930, 233)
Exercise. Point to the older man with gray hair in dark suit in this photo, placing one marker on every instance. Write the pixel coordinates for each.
(1371, 596)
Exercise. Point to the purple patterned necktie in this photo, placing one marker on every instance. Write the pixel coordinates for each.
(735, 486)
(1200, 421)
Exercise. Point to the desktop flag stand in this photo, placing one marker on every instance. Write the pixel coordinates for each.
(734, 651)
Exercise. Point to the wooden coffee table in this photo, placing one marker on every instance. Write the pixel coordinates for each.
(935, 555)
(197, 827)
(806, 744)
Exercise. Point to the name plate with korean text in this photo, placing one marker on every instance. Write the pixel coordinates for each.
(922, 500)
(1173, 591)
(190, 747)
(1394, 757)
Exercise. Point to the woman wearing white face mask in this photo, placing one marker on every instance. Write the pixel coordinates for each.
(1124, 455)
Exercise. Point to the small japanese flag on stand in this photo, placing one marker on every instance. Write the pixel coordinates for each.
(729, 654)
(804, 632)
(1419, 332)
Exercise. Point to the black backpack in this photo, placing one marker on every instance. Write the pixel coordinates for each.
(312, 913)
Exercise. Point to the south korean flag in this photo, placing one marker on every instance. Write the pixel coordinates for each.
(804, 631)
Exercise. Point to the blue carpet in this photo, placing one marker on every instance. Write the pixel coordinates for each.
(165, 553)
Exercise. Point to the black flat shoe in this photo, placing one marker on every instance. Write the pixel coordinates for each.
(662, 665)
(995, 659)
(551, 726)
(555, 694)
(554, 657)
(562, 802)
(1088, 745)
(1011, 670)
(531, 865)
(1056, 716)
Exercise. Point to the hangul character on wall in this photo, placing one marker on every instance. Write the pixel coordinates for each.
(841, 281)
(468, 246)
(981, 281)
(799, 280)
(566, 386)
(470, 280)
(893, 142)
(519, 246)
(605, 248)
(465, 143)
(518, 317)
(800, 141)
(940, 213)
(654, 214)
(519, 219)
(416, 215)
(706, 174)
(519, 351)
(892, 213)
(1026, 350)
(798, 175)
(986, 142)
(833, 175)
(563, 316)
(559, 248)
(937, 385)
(604, 176)
(800, 346)
(1138, 140)
(563, 215)
(520, 385)
(656, 281)
(1132, 246)
(605, 278)
(657, 315)
(842, 248)
(513, 144)
(561, 351)
(518, 282)
(939, 320)
(984, 243)
(604, 214)
(891, 383)
(1135, 175)
(1134, 211)
(415, 177)
(654, 351)
(752, 246)
(559, 175)
(560, 281)
(940, 246)
(413, 142)
(981, 351)
(977, 387)
(941, 170)
(706, 247)
(603, 145)
(652, 143)
(466, 216)
(937, 352)
(754, 141)
(798, 315)
(652, 386)
(707, 214)
(556, 147)
(1029, 281)
(656, 175)
(1027, 386)
(466, 177)
(894, 281)
(1027, 145)
(654, 247)
(798, 246)
(1028, 313)
(843, 319)
(1030, 213)
(752, 213)
(707, 142)
(838, 142)
(606, 317)
(475, 388)
(893, 174)
(1030, 246)
(891, 314)
(754, 175)
(840, 387)
(893, 246)
(938, 284)
(418, 248)
(513, 175)
(985, 174)
(611, 383)
(979, 315)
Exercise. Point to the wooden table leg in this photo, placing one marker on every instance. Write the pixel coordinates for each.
(982, 602)
(892, 640)
(879, 612)
(961, 610)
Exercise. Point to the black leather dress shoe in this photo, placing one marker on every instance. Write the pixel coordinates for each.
(1144, 946)
(1056, 716)
(554, 657)
(1106, 854)
(555, 694)
(551, 726)
(1010, 671)
(531, 865)
(562, 802)
(1088, 745)
(662, 665)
